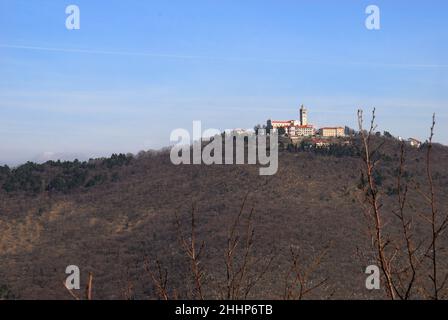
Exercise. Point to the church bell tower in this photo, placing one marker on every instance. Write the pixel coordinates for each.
(303, 116)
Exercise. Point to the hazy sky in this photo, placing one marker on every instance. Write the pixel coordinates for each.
(136, 70)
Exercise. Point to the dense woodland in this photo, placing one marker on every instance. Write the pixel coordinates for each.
(127, 219)
(57, 176)
(64, 176)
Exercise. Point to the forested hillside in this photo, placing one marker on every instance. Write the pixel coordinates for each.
(126, 218)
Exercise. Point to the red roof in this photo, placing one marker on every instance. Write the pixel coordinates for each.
(278, 121)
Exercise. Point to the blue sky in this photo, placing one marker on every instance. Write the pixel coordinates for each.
(136, 70)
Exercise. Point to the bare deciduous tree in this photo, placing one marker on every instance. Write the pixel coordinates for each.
(372, 197)
(400, 258)
(298, 282)
(194, 253)
(241, 277)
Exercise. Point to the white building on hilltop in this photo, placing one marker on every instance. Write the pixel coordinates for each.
(299, 127)
(414, 143)
(332, 132)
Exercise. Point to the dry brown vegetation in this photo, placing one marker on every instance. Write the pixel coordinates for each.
(161, 231)
(412, 262)
(243, 270)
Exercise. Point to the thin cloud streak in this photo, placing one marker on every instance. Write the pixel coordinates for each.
(229, 59)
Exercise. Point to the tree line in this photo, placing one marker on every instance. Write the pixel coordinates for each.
(60, 176)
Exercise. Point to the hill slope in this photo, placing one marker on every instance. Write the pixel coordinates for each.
(123, 211)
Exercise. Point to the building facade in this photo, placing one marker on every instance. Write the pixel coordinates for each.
(332, 132)
(276, 124)
(414, 143)
(301, 131)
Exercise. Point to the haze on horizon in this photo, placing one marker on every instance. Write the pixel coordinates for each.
(137, 70)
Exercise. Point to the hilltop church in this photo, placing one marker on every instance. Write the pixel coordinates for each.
(299, 127)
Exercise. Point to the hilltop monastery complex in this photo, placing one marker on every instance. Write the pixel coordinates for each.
(301, 127)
